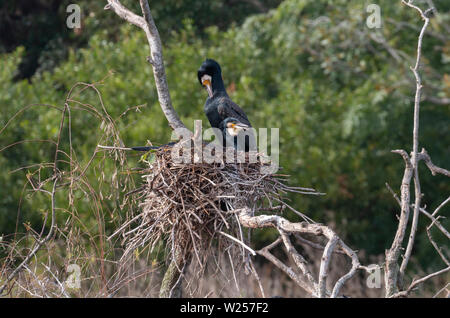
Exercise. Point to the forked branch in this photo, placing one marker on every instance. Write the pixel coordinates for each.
(394, 274)
(304, 279)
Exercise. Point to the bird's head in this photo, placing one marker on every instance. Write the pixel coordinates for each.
(233, 127)
(207, 73)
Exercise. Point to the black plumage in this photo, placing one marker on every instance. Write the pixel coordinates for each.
(219, 105)
(148, 148)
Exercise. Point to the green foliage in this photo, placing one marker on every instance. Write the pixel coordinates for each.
(341, 101)
(48, 41)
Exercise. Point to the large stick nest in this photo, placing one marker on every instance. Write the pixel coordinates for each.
(191, 205)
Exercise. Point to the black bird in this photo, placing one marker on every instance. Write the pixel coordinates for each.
(231, 128)
(219, 105)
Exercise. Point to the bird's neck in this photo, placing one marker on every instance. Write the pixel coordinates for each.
(218, 88)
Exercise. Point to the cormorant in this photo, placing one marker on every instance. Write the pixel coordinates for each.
(219, 106)
(231, 128)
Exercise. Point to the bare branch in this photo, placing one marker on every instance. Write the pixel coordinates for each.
(125, 14)
(315, 245)
(422, 210)
(393, 194)
(298, 259)
(38, 244)
(436, 247)
(423, 155)
(419, 281)
(393, 253)
(438, 101)
(286, 269)
(239, 242)
(324, 265)
(415, 70)
(394, 275)
(258, 279)
(415, 221)
(285, 228)
(355, 266)
(441, 206)
(404, 155)
(445, 288)
(434, 221)
(156, 57)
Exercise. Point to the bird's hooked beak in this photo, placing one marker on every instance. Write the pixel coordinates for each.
(206, 81)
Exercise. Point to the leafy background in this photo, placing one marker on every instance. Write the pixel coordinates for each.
(342, 98)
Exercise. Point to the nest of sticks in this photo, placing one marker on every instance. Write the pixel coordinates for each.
(191, 207)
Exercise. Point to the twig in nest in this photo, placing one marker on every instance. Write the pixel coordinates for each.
(189, 204)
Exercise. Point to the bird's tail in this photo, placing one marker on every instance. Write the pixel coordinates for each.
(148, 148)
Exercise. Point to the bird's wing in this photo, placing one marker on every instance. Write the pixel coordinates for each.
(227, 108)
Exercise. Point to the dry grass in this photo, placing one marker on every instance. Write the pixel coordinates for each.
(184, 207)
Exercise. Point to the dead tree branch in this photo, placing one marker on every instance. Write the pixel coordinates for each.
(394, 275)
(393, 253)
(415, 283)
(147, 24)
(423, 155)
(305, 280)
(301, 281)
